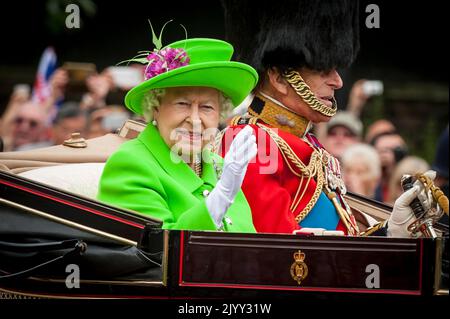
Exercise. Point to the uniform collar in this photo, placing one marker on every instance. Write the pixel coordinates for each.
(278, 115)
(173, 164)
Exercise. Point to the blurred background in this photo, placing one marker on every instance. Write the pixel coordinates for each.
(404, 61)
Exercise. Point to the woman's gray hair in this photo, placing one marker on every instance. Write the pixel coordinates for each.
(153, 98)
(363, 153)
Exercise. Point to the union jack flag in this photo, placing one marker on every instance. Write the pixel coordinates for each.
(47, 65)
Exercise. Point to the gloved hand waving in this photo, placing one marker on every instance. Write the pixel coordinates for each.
(242, 150)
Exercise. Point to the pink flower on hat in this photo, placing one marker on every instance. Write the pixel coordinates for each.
(160, 61)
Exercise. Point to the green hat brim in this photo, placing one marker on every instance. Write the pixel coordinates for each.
(234, 79)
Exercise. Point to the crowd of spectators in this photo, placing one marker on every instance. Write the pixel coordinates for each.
(28, 123)
(371, 163)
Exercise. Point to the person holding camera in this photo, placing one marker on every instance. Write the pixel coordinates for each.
(391, 148)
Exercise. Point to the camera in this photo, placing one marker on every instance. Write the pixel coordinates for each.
(400, 153)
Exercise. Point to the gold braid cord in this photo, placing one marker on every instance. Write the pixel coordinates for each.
(218, 141)
(313, 169)
(436, 192)
(369, 231)
(304, 91)
(352, 227)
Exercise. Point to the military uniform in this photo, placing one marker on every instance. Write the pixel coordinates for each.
(293, 181)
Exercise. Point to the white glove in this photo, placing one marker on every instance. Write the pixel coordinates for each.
(402, 215)
(242, 150)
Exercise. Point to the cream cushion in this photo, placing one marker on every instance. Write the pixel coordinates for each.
(81, 179)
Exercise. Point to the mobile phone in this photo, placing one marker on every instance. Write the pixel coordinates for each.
(126, 77)
(400, 153)
(373, 87)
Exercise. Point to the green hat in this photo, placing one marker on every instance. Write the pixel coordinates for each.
(195, 62)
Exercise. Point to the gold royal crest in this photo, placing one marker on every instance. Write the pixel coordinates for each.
(299, 269)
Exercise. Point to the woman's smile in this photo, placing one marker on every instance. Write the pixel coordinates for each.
(184, 134)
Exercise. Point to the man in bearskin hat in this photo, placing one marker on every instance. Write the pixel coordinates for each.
(294, 184)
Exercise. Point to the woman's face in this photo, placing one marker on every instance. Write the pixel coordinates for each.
(358, 177)
(188, 117)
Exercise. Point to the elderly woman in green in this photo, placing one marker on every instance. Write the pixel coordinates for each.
(168, 171)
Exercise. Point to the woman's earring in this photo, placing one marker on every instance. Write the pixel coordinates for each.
(154, 123)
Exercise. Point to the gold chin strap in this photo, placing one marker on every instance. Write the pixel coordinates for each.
(304, 91)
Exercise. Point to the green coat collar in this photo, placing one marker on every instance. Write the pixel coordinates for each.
(178, 169)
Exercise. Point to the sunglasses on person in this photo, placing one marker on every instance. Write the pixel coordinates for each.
(21, 120)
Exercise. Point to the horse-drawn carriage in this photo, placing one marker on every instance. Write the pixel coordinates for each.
(57, 241)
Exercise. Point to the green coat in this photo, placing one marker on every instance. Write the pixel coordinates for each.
(141, 176)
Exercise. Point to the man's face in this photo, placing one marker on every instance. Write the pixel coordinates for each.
(28, 126)
(322, 84)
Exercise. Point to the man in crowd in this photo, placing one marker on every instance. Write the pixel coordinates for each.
(29, 128)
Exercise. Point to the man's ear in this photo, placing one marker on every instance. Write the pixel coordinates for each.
(277, 81)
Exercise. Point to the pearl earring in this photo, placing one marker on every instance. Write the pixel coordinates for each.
(154, 122)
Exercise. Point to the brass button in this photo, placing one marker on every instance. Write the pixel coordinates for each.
(75, 141)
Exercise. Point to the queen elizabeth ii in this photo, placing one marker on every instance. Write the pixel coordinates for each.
(168, 171)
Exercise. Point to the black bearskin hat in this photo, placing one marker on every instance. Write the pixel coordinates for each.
(318, 34)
